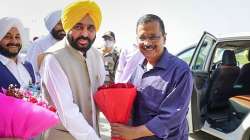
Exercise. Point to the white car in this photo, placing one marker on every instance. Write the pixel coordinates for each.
(220, 103)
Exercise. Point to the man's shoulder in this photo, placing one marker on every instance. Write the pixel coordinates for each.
(115, 53)
(56, 47)
(179, 63)
(93, 52)
(117, 50)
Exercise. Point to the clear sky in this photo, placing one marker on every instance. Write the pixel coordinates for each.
(185, 20)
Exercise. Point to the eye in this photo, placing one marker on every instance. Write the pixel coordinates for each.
(78, 27)
(7, 37)
(142, 38)
(91, 28)
(154, 38)
(18, 37)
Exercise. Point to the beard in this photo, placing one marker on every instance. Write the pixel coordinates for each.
(5, 52)
(58, 34)
(73, 43)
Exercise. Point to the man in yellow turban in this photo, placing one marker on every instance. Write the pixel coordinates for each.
(71, 71)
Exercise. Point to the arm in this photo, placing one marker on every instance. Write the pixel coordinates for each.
(59, 89)
(129, 132)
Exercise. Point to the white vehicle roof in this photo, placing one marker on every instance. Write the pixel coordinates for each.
(233, 36)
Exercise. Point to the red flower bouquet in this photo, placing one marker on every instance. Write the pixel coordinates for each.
(116, 101)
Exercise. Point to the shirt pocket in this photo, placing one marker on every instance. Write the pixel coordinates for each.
(153, 98)
(153, 90)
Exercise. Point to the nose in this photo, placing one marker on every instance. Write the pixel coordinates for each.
(13, 40)
(84, 32)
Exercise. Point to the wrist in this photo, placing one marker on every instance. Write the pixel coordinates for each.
(142, 131)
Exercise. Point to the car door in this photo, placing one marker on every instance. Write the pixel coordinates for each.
(200, 75)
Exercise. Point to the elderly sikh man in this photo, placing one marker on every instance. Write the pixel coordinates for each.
(71, 72)
(56, 33)
(13, 70)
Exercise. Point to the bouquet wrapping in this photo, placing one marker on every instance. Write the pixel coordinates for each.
(23, 116)
(116, 101)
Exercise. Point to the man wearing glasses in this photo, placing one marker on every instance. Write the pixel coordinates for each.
(164, 85)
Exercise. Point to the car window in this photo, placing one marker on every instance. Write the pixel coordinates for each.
(186, 55)
(203, 53)
(241, 58)
(218, 55)
(217, 58)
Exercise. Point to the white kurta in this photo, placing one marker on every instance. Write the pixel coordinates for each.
(60, 92)
(17, 69)
(37, 48)
(128, 59)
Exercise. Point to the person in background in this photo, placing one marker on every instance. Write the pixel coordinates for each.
(56, 33)
(128, 59)
(164, 87)
(110, 56)
(71, 72)
(13, 70)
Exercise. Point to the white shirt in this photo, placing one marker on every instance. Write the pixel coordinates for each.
(17, 69)
(61, 94)
(37, 48)
(129, 58)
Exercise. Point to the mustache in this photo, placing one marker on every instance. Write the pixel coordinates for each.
(61, 32)
(58, 31)
(83, 38)
(12, 44)
(148, 47)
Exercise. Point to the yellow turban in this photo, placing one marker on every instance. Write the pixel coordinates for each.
(75, 11)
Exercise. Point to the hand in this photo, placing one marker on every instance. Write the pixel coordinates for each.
(124, 131)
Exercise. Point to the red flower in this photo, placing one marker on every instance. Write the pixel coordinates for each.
(52, 108)
(116, 101)
(32, 99)
(27, 96)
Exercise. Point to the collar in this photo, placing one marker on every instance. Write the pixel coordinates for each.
(73, 49)
(5, 60)
(109, 53)
(162, 62)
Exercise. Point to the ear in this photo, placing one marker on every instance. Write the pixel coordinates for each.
(164, 37)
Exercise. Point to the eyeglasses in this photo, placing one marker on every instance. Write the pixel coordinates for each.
(150, 38)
